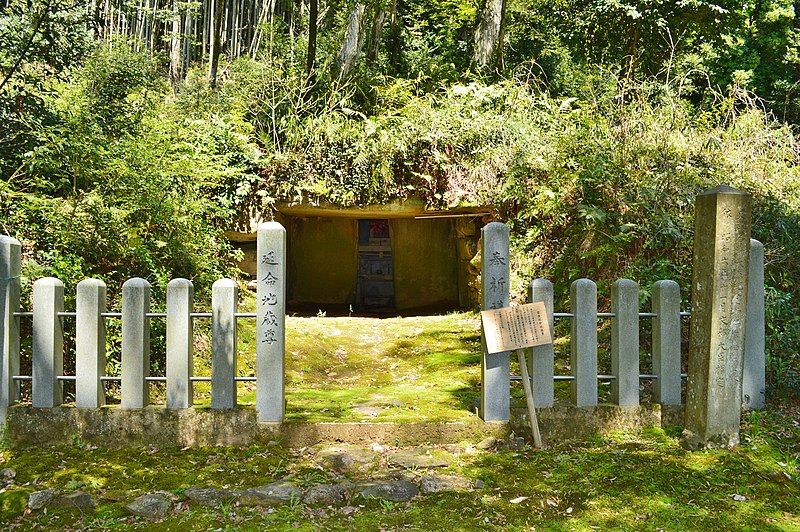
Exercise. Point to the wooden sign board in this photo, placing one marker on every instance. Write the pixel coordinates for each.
(510, 328)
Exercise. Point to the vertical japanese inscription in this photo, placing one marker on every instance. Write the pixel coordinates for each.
(270, 321)
(494, 293)
(719, 300)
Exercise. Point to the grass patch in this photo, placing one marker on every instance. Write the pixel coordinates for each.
(381, 369)
(623, 481)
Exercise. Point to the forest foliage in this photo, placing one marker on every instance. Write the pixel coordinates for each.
(134, 132)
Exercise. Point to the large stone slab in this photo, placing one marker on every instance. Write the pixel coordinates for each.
(719, 307)
(390, 490)
(347, 458)
(275, 494)
(418, 458)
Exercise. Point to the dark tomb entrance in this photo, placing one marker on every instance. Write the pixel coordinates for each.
(375, 284)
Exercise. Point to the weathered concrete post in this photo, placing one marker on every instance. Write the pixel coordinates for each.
(47, 344)
(625, 342)
(542, 359)
(271, 322)
(224, 296)
(90, 343)
(583, 342)
(10, 267)
(135, 344)
(753, 376)
(719, 306)
(495, 272)
(180, 344)
(666, 305)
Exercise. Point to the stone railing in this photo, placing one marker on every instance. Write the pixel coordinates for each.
(90, 315)
(733, 348)
(625, 316)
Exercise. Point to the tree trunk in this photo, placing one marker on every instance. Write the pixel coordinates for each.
(175, 66)
(394, 41)
(311, 55)
(352, 43)
(378, 18)
(488, 34)
(219, 10)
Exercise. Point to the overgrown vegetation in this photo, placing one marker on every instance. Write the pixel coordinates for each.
(588, 126)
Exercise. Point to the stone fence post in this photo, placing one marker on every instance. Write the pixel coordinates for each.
(495, 272)
(10, 267)
(625, 342)
(753, 376)
(666, 305)
(90, 343)
(719, 316)
(47, 345)
(135, 343)
(180, 344)
(271, 322)
(542, 359)
(583, 342)
(224, 296)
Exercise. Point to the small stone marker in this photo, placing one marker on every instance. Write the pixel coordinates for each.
(719, 305)
(270, 322)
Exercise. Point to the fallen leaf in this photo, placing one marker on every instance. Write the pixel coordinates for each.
(517, 500)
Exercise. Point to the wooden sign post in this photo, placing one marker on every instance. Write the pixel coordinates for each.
(515, 328)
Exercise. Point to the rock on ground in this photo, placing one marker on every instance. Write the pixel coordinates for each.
(326, 495)
(76, 499)
(273, 494)
(487, 443)
(39, 499)
(347, 458)
(209, 496)
(395, 490)
(435, 483)
(416, 459)
(151, 505)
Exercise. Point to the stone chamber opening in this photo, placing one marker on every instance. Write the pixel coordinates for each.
(376, 262)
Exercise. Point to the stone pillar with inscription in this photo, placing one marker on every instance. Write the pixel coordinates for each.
(270, 322)
(719, 306)
(495, 383)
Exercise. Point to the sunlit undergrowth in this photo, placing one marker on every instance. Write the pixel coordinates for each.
(622, 481)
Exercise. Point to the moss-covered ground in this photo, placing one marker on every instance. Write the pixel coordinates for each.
(354, 369)
(622, 481)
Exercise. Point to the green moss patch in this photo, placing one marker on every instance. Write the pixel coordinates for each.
(355, 369)
(626, 480)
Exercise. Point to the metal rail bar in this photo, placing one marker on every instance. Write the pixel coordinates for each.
(28, 314)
